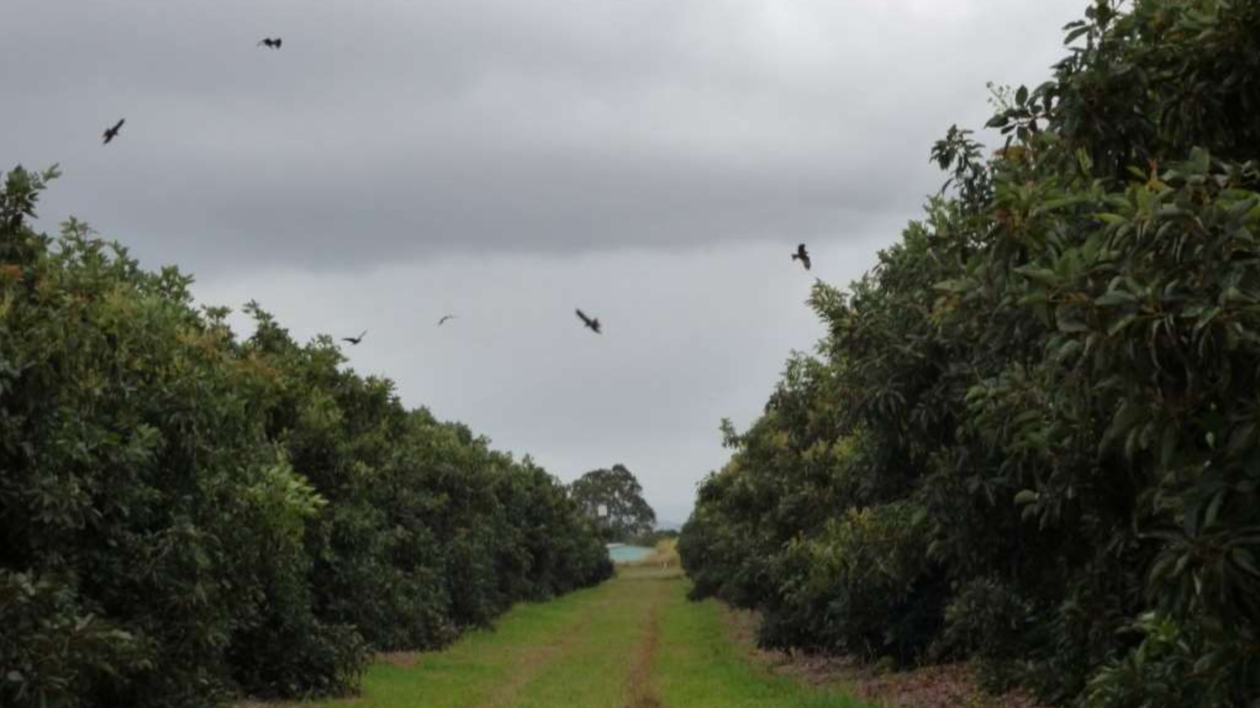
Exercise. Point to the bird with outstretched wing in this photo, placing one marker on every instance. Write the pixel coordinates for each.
(801, 255)
(591, 322)
(111, 133)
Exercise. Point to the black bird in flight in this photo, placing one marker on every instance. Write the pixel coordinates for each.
(592, 322)
(801, 255)
(111, 133)
(270, 43)
(354, 340)
(444, 319)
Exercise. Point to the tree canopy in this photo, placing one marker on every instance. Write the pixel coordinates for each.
(613, 500)
(187, 516)
(1031, 436)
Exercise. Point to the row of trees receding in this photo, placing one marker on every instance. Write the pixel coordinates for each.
(185, 517)
(1031, 437)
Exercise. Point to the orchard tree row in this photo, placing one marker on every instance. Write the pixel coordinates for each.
(1031, 436)
(186, 517)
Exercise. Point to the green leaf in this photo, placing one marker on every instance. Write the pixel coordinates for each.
(954, 286)
(1051, 205)
(1037, 297)
(1241, 439)
(1120, 324)
(1075, 34)
(1168, 446)
(1129, 415)
(1115, 297)
(1069, 349)
(1045, 276)
(1199, 163)
(1214, 509)
(1245, 560)
(1206, 318)
(1068, 325)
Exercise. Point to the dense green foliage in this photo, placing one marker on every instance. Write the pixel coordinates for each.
(613, 500)
(1031, 436)
(185, 516)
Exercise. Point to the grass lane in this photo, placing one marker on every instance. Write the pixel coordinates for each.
(483, 665)
(605, 666)
(701, 666)
(634, 642)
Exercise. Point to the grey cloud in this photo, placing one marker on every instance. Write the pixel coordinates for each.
(653, 162)
(393, 130)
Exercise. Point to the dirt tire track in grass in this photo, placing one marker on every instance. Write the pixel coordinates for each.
(642, 687)
(527, 666)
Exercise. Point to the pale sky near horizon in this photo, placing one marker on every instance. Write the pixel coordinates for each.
(652, 162)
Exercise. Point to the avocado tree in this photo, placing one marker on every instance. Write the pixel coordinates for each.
(613, 498)
(187, 517)
(1030, 437)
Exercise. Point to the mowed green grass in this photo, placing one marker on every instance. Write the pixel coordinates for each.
(701, 666)
(634, 642)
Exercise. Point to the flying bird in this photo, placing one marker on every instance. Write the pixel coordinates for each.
(444, 319)
(354, 340)
(111, 133)
(801, 255)
(270, 43)
(592, 322)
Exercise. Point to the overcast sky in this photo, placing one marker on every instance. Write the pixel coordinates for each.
(653, 162)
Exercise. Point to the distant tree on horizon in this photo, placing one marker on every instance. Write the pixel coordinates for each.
(613, 499)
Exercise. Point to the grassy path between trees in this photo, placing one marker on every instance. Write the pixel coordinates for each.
(633, 642)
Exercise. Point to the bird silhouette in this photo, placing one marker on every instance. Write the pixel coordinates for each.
(270, 43)
(111, 133)
(592, 322)
(801, 255)
(354, 340)
(444, 319)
